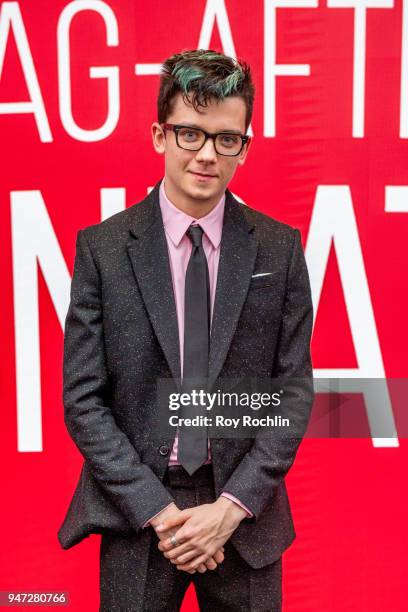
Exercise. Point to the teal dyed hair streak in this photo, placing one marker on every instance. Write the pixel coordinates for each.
(200, 75)
(185, 74)
(232, 82)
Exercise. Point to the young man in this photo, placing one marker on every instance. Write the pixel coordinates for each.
(187, 284)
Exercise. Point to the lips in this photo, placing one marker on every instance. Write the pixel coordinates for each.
(202, 174)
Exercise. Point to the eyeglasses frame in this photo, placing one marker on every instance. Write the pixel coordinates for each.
(175, 127)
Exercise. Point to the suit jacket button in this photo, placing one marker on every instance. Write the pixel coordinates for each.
(164, 449)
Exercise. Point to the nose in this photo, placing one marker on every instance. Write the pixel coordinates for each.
(207, 152)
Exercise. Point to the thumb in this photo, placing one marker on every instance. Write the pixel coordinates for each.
(172, 521)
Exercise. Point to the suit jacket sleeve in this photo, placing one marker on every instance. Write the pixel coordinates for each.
(257, 476)
(130, 484)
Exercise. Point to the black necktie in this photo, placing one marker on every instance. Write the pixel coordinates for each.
(192, 440)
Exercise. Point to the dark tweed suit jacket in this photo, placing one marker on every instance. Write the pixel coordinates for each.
(121, 334)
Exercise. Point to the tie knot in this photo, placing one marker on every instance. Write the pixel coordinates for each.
(195, 233)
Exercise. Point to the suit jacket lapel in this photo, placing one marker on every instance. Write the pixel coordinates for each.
(147, 249)
(239, 247)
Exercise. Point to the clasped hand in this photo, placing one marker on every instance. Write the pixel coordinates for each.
(201, 532)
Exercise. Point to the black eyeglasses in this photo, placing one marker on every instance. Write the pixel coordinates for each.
(193, 139)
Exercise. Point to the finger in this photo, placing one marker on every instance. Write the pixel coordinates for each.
(173, 521)
(201, 568)
(218, 556)
(191, 571)
(182, 559)
(165, 535)
(179, 550)
(211, 564)
(184, 568)
(194, 563)
(167, 545)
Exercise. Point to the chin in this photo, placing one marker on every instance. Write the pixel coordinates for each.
(200, 191)
(202, 194)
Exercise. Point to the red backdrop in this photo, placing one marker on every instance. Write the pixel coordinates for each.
(329, 156)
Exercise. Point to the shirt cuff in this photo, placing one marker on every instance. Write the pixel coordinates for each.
(147, 523)
(234, 499)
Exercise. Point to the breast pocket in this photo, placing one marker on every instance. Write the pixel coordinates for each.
(263, 280)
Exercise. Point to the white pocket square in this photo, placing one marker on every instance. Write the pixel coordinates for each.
(261, 274)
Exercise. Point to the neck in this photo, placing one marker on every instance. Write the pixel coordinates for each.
(194, 207)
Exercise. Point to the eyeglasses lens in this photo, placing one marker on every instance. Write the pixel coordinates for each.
(225, 144)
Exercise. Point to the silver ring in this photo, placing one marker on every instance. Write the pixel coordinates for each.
(174, 541)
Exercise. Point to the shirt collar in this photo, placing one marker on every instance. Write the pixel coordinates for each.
(176, 222)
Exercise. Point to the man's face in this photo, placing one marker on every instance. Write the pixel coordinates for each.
(181, 165)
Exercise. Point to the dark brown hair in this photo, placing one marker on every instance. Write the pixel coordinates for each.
(202, 74)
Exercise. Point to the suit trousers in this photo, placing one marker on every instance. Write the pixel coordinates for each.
(233, 586)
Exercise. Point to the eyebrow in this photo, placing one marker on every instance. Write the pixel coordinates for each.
(227, 131)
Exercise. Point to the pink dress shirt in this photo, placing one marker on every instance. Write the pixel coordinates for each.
(176, 223)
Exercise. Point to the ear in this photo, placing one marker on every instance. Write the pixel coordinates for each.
(158, 138)
(244, 152)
